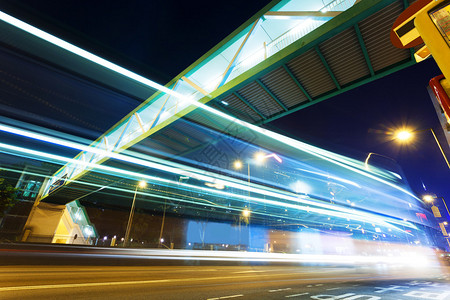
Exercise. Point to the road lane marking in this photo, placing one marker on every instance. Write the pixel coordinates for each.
(332, 289)
(279, 290)
(428, 295)
(349, 296)
(396, 288)
(241, 272)
(94, 284)
(75, 285)
(296, 295)
(331, 297)
(226, 297)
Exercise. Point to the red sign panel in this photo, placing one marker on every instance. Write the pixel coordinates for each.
(441, 95)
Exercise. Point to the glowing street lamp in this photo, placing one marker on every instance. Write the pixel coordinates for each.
(237, 164)
(405, 135)
(260, 157)
(437, 213)
(141, 184)
(428, 198)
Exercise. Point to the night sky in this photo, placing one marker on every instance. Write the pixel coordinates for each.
(159, 39)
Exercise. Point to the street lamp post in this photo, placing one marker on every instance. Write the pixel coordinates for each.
(446, 207)
(259, 157)
(430, 198)
(366, 162)
(161, 240)
(238, 165)
(437, 214)
(440, 148)
(406, 135)
(141, 184)
(246, 212)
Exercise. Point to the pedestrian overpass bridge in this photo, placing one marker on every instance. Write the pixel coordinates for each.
(185, 137)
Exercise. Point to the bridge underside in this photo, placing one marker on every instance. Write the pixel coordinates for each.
(354, 53)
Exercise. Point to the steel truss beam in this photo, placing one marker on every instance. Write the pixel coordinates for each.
(297, 82)
(250, 105)
(271, 95)
(325, 64)
(364, 49)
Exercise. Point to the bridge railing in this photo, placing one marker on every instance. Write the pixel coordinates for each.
(288, 38)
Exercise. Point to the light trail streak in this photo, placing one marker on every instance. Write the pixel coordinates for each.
(330, 210)
(205, 202)
(175, 169)
(323, 154)
(181, 170)
(424, 258)
(150, 162)
(85, 54)
(331, 177)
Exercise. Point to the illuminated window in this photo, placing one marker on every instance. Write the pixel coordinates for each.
(31, 189)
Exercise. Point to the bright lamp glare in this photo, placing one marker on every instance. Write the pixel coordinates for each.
(260, 156)
(237, 164)
(404, 135)
(428, 198)
(142, 184)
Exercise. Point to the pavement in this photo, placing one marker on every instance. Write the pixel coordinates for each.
(33, 271)
(221, 282)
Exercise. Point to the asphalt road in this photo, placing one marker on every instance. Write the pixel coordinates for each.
(220, 282)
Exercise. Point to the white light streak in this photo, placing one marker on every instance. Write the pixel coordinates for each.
(85, 54)
(329, 210)
(323, 154)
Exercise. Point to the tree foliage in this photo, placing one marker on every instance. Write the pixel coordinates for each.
(7, 196)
